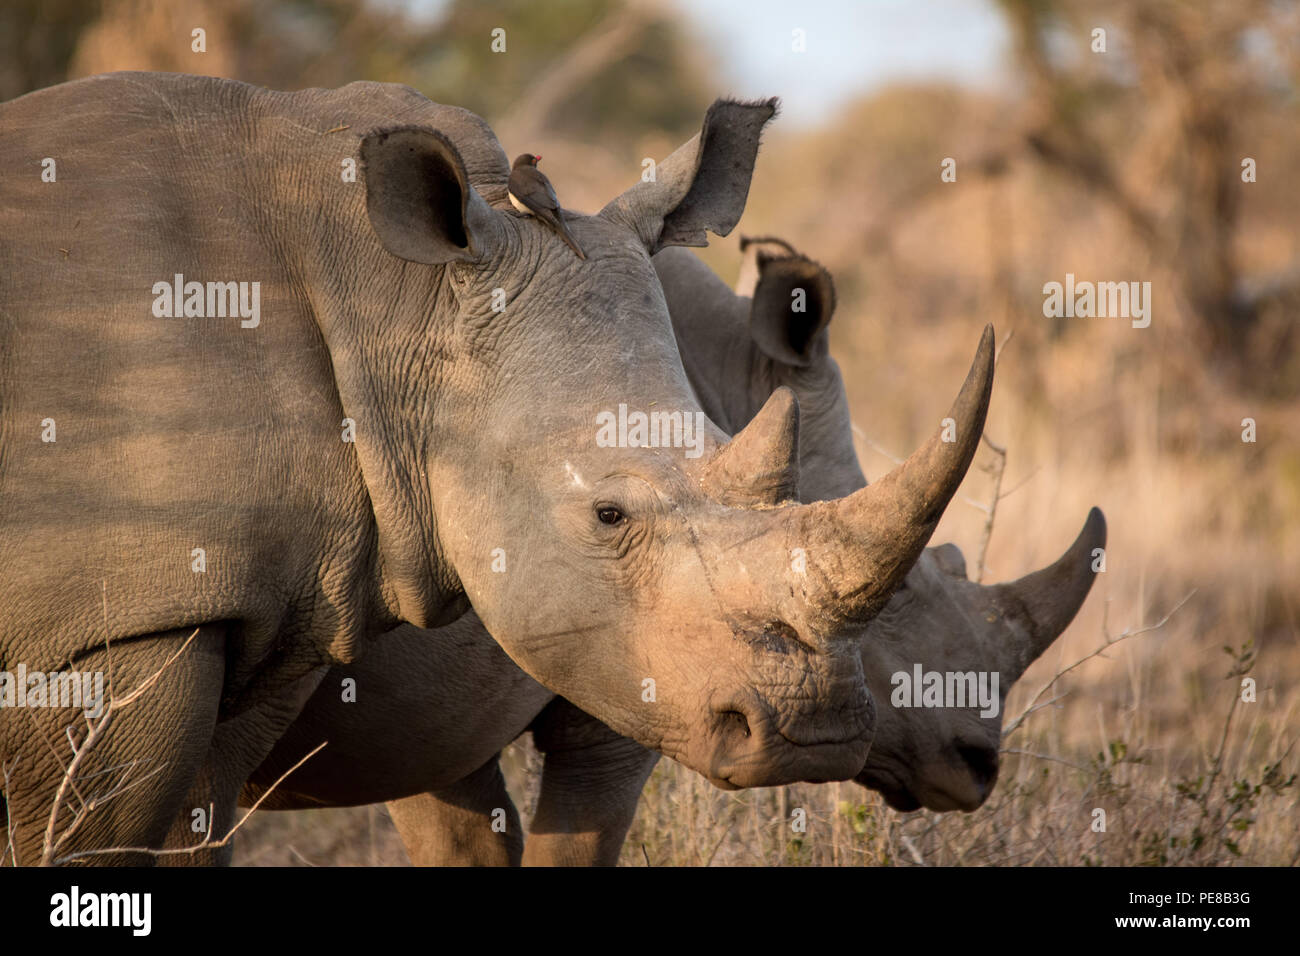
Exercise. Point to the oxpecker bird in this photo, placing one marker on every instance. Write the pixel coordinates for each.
(532, 194)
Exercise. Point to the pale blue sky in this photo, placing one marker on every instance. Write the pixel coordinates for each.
(853, 45)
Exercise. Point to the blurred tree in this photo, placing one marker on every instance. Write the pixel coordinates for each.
(1157, 125)
(573, 66)
(281, 44)
(37, 41)
(580, 68)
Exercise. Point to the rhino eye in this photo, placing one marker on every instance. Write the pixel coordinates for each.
(609, 515)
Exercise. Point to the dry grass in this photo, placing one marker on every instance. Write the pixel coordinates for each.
(1185, 772)
(1163, 800)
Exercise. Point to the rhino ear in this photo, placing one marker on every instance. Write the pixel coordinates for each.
(418, 197)
(793, 302)
(702, 186)
(752, 249)
(950, 560)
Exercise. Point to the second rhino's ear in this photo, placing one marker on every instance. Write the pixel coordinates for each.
(950, 560)
(792, 305)
(419, 199)
(702, 186)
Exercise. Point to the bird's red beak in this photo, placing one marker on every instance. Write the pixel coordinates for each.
(537, 159)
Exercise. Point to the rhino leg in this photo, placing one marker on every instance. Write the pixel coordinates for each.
(454, 826)
(591, 781)
(136, 775)
(239, 744)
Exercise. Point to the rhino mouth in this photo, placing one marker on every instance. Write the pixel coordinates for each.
(822, 762)
(901, 799)
(899, 796)
(896, 794)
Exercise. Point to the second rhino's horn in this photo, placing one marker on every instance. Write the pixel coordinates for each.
(863, 545)
(760, 466)
(1046, 601)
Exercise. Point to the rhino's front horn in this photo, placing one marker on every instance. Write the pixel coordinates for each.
(760, 466)
(867, 542)
(1046, 601)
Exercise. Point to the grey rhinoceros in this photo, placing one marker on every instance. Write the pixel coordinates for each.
(429, 733)
(284, 370)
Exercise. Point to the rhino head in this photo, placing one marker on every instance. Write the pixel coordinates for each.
(947, 758)
(675, 591)
(943, 758)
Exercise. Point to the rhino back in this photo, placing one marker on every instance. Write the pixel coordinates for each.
(175, 434)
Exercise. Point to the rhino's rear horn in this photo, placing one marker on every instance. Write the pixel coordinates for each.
(760, 466)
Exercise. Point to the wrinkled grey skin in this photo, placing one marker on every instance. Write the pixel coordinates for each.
(434, 733)
(473, 431)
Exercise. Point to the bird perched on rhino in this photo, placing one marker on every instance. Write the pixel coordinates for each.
(532, 194)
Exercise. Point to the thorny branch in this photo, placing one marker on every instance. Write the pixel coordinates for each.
(207, 842)
(98, 729)
(1109, 642)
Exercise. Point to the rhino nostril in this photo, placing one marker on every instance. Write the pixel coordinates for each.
(734, 721)
(983, 763)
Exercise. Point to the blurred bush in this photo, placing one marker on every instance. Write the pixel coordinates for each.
(623, 66)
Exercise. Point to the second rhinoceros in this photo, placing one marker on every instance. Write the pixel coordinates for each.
(256, 411)
(429, 733)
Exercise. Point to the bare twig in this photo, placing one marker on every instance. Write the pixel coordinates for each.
(1097, 652)
(860, 434)
(1223, 740)
(614, 37)
(912, 850)
(98, 729)
(1021, 483)
(731, 823)
(9, 849)
(306, 862)
(996, 468)
(1031, 753)
(207, 843)
(997, 356)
